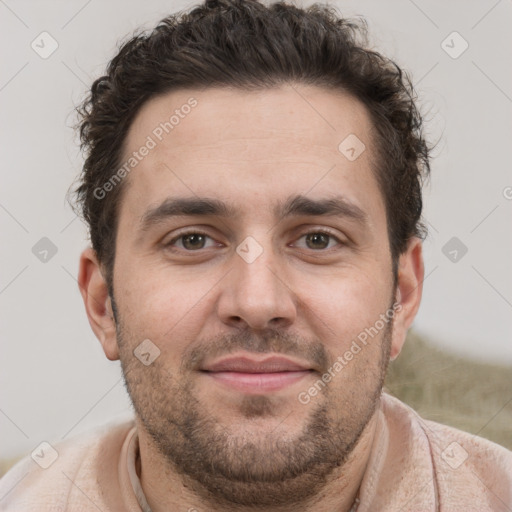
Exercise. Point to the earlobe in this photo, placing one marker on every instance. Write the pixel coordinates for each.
(408, 294)
(94, 290)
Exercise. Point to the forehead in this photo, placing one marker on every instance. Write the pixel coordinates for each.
(250, 147)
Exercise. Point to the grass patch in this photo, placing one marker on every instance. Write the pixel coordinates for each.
(471, 396)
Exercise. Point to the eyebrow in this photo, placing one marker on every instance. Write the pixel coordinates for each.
(179, 207)
(293, 206)
(337, 206)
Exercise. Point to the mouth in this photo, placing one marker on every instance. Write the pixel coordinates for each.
(252, 375)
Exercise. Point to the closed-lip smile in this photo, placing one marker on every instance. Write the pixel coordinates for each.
(254, 374)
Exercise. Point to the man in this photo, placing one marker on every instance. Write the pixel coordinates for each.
(252, 186)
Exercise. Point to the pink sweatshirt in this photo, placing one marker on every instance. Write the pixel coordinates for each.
(415, 466)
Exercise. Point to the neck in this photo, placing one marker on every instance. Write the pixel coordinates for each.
(166, 489)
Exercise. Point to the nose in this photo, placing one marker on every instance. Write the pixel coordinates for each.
(256, 295)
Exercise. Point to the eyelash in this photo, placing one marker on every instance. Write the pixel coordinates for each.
(170, 244)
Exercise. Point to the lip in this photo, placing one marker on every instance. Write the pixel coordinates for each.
(249, 364)
(255, 375)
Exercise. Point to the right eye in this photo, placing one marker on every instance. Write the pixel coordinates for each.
(191, 241)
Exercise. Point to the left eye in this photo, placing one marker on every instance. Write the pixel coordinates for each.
(319, 240)
(192, 241)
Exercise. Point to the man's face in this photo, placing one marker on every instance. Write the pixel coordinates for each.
(249, 310)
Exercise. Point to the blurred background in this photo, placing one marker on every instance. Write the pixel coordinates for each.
(457, 367)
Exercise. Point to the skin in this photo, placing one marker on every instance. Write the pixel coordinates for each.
(302, 297)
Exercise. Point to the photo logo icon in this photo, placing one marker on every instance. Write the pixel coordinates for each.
(146, 352)
(454, 455)
(249, 249)
(44, 250)
(454, 249)
(44, 455)
(351, 147)
(44, 45)
(454, 45)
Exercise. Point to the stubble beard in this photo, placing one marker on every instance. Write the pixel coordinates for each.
(226, 467)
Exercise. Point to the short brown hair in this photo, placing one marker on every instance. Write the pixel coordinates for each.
(251, 46)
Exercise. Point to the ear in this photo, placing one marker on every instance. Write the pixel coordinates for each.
(94, 290)
(411, 272)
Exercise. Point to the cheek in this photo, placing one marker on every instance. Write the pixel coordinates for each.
(343, 306)
(167, 310)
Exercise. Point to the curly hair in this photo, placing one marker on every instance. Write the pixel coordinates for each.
(251, 46)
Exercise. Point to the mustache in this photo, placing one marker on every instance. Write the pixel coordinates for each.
(268, 341)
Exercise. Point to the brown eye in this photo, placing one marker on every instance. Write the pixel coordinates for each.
(193, 241)
(317, 240)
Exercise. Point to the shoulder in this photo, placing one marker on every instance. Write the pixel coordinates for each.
(466, 467)
(469, 464)
(55, 473)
